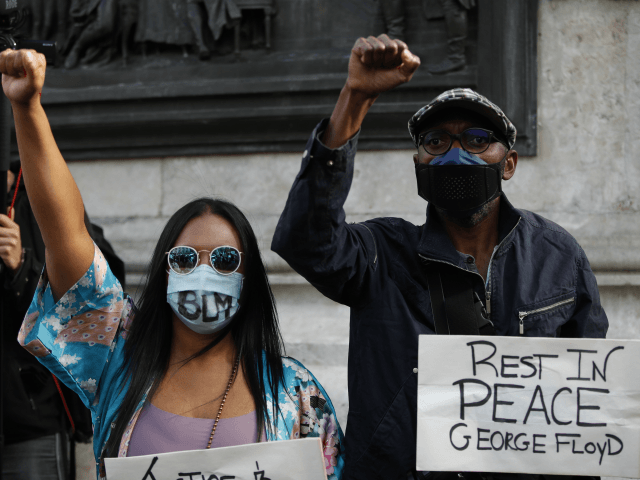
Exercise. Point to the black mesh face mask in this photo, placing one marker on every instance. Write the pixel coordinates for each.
(459, 190)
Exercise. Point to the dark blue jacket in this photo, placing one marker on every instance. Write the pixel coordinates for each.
(377, 268)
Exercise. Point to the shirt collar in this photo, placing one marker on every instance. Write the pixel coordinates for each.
(435, 243)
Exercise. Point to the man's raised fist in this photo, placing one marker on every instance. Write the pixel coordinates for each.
(378, 64)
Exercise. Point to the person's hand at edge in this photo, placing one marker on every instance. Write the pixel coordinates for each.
(10, 243)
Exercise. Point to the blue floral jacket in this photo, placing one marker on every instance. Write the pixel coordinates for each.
(81, 340)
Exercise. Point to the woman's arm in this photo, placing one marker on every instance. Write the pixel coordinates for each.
(54, 195)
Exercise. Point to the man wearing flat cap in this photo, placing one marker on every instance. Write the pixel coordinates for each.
(505, 271)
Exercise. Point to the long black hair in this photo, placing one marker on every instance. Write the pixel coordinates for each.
(254, 330)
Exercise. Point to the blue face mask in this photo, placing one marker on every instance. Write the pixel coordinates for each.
(204, 300)
(458, 156)
(459, 183)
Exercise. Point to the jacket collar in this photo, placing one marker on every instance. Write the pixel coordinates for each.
(435, 243)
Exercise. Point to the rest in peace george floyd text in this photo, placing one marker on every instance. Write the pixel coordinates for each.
(510, 369)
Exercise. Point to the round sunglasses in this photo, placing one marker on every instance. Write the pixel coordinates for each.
(183, 260)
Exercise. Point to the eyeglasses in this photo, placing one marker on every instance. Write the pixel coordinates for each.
(472, 140)
(183, 260)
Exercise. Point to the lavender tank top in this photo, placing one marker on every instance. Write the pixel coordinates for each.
(157, 431)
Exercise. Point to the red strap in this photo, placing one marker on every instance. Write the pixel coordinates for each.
(15, 193)
(64, 402)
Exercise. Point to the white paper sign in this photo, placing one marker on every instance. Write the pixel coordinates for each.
(286, 460)
(529, 405)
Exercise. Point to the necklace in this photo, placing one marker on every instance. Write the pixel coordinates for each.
(231, 380)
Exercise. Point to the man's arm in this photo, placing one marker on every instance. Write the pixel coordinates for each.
(375, 66)
(589, 319)
(312, 235)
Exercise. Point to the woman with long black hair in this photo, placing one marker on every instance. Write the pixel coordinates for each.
(199, 363)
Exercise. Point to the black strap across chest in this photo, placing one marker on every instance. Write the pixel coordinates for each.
(456, 308)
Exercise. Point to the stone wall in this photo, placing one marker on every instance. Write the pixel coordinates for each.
(585, 177)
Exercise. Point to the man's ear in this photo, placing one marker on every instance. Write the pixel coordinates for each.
(510, 165)
(415, 158)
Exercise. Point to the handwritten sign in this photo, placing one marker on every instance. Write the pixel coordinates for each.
(529, 405)
(286, 460)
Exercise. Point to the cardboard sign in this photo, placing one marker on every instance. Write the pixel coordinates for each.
(286, 460)
(529, 405)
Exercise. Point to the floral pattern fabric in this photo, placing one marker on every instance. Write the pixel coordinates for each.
(80, 338)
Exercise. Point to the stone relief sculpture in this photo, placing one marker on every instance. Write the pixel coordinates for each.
(455, 15)
(167, 104)
(95, 32)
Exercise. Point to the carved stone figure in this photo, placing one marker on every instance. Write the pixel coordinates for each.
(97, 24)
(128, 14)
(455, 15)
(164, 21)
(49, 18)
(220, 14)
(393, 16)
(93, 21)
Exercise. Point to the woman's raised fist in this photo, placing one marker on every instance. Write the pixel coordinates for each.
(22, 75)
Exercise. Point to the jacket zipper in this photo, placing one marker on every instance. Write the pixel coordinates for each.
(487, 285)
(522, 315)
(488, 297)
(375, 247)
(487, 291)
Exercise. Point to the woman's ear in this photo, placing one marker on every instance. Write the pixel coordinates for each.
(415, 158)
(510, 165)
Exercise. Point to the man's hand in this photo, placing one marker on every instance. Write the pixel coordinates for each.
(376, 65)
(10, 243)
(22, 76)
(380, 64)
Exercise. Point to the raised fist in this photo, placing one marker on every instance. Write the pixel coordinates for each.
(380, 64)
(22, 75)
